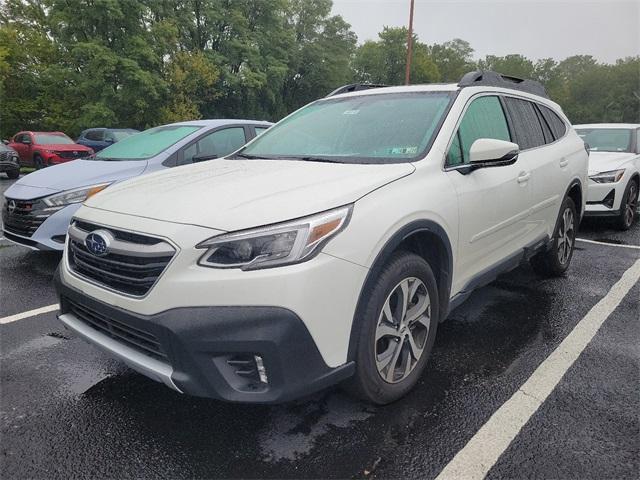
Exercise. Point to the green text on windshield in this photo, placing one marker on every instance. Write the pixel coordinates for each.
(146, 144)
(372, 128)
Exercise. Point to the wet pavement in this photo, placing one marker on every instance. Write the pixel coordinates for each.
(67, 410)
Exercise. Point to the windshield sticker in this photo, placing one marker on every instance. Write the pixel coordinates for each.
(404, 150)
(351, 112)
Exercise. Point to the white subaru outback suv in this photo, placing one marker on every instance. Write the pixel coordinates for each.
(327, 249)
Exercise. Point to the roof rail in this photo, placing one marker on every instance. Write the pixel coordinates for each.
(354, 87)
(495, 79)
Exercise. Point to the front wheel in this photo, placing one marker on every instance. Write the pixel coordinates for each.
(13, 174)
(555, 261)
(38, 162)
(629, 206)
(398, 325)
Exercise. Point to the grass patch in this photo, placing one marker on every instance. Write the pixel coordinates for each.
(27, 169)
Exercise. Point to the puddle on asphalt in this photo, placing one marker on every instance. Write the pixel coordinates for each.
(292, 432)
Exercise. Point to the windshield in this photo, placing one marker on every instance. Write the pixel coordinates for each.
(607, 139)
(378, 128)
(146, 144)
(53, 139)
(120, 134)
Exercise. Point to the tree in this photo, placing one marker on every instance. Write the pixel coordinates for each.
(384, 61)
(513, 65)
(453, 59)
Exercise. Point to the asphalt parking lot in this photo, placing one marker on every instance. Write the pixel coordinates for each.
(67, 410)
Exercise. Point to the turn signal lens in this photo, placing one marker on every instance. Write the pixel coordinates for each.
(95, 190)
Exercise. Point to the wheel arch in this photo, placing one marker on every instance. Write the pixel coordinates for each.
(427, 239)
(576, 193)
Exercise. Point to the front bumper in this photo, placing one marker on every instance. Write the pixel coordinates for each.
(50, 235)
(604, 199)
(8, 166)
(200, 350)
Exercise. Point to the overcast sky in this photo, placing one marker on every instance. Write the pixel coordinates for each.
(606, 29)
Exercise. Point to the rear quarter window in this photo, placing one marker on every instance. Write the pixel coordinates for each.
(557, 125)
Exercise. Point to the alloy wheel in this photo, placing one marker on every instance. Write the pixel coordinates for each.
(631, 206)
(566, 235)
(402, 330)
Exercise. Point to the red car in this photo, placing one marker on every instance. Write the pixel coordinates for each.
(41, 149)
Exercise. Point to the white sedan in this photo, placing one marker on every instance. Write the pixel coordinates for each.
(614, 170)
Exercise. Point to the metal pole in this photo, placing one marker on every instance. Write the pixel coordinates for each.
(407, 72)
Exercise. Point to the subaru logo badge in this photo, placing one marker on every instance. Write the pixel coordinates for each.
(98, 242)
(11, 207)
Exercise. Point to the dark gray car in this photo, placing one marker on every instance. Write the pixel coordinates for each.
(9, 161)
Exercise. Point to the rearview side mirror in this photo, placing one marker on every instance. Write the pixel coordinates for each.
(489, 152)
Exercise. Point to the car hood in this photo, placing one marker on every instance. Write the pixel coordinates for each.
(64, 147)
(237, 194)
(607, 161)
(70, 175)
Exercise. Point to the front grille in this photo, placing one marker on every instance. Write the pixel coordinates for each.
(23, 217)
(73, 154)
(130, 267)
(8, 156)
(134, 337)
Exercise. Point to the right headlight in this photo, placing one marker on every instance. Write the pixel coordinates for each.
(276, 245)
(77, 195)
(612, 176)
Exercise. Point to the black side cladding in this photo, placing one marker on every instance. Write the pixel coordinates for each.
(495, 79)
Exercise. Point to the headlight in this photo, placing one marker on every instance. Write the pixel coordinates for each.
(608, 177)
(78, 195)
(275, 245)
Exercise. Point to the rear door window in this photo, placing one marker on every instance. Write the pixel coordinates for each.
(527, 129)
(484, 118)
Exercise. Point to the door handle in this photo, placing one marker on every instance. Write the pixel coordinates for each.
(564, 162)
(523, 177)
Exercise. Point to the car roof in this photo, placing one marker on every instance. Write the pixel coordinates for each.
(608, 125)
(50, 133)
(219, 122)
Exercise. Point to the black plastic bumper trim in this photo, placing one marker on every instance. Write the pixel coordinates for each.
(196, 338)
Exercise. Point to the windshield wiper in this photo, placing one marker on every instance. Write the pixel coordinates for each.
(311, 158)
(249, 157)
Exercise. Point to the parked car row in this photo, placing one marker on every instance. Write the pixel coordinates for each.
(44, 149)
(326, 250)
(39, 207)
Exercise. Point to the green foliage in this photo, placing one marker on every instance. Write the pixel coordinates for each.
(72, 64)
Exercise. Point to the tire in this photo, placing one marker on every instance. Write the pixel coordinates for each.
(13, 174)
(38, 162)
(628, 206)
(384, 346)
(555, 261)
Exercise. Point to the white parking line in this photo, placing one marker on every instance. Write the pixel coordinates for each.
(637, 247)
(481, 453)
(30, 313)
